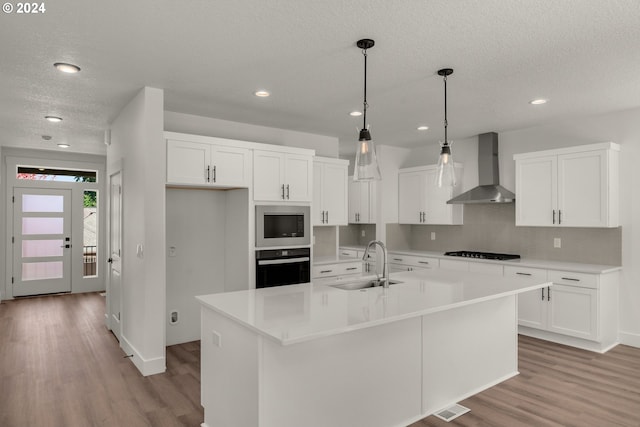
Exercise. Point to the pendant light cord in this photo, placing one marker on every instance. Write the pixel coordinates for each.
(446, 140)
(364, 104)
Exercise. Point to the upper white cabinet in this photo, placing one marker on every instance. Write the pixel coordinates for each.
(571, 187)
(281, 176)
(329, 191)
(362, 202)
(208, 161)
(421, 201)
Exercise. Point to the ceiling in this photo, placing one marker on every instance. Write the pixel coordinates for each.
(210, 56)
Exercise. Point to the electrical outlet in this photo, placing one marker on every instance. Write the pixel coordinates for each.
(557, 242)
(172, 251)
(364, 233)
(433, 235)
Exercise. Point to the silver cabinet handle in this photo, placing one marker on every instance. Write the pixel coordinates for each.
(208, 174)
(214, 174)
(287, 191)
(327, 217)
(571, 279)
(398, 259)
(325, 271)
(282, 191)
(559, 216)
(423, 262)
(548, 293)
(523, 274)
(542, 294)
(554, 217)
(352, 268)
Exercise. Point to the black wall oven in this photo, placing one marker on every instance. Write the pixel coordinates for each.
(282, 226)
(278, 267)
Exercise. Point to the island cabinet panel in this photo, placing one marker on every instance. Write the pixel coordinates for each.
(377, 368)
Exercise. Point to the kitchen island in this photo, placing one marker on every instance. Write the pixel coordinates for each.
(309, 355)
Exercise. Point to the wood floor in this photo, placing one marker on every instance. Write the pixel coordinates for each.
(60, 367)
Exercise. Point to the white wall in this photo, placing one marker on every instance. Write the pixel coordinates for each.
(196, 229)
(326, 146)
(137, 143)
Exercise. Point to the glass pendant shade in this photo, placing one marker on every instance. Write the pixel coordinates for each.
(366, 167)
(446, 176)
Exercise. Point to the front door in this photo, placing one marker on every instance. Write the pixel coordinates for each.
(41, 241)
(115, 263)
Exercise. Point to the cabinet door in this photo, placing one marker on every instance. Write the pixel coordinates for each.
(370, 190)
(230, 166)
(317, 211)
(187, 162)
(532, 305)
(411, 189)
(355, 190)
(583, 189)
(536, 191)
(573, 311)
(437, 210)
(334, 194)
(298, 178)
(268, 171)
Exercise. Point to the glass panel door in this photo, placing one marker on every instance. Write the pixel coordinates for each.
(41, 241)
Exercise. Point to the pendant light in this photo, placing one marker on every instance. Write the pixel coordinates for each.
(366, 167)
(446, 172)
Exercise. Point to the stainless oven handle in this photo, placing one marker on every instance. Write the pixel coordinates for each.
(282, 261)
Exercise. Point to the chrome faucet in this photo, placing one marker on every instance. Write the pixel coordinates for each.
(385, 265)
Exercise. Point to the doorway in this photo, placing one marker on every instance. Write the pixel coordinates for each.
(41, 241)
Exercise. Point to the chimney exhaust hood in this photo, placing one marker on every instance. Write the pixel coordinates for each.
(489, 190)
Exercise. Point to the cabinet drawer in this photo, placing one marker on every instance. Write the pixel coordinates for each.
(534, 273)
(569, 278)
(350, 267)
(326, 270)
(480, 267)
(349, 252)
(413, 260)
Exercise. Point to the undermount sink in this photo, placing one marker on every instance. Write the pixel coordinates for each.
(354, 286)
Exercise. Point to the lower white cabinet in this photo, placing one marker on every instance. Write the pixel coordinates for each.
(400, 262)
(329, 273)
(577, 305)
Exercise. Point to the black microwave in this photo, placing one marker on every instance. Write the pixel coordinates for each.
(278, 225)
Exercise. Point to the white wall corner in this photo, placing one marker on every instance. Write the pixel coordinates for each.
(151, 366)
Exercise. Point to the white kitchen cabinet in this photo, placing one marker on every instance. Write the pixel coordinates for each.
(326, 274)
(571, 187)
(401, 262)
(421, 201)
(362, 201)
(216, 163)
(280, 176)
(532, 305)
(329, 191)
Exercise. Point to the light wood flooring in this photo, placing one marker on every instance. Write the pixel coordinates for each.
(60, 367)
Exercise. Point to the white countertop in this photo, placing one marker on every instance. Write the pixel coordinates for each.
(334, 260)
(523, 262)
(298, 313)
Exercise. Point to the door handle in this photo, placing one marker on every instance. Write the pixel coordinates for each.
(110, 260)
(67, 246)
(287, 191)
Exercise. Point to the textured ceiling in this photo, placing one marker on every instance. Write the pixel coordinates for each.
(211, 55)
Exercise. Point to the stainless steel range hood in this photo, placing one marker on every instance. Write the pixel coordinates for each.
(489, 190)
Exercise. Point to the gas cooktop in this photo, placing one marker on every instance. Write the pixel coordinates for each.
(483, 255)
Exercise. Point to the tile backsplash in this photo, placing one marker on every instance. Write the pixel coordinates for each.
(351, 235)
(491, 228)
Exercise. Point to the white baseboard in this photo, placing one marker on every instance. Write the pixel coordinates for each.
(156, 365)
(628, 338)
(583, 344)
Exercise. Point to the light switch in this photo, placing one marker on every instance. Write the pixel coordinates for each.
(216, 338)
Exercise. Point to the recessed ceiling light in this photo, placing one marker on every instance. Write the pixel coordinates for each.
(355, 113)
(423, 127)
(64, 145)
(46, 137)
(538, 101)
(67, 68)
(262, 93)
(54, 119)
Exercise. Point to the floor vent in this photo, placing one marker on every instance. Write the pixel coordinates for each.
(452, 412)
